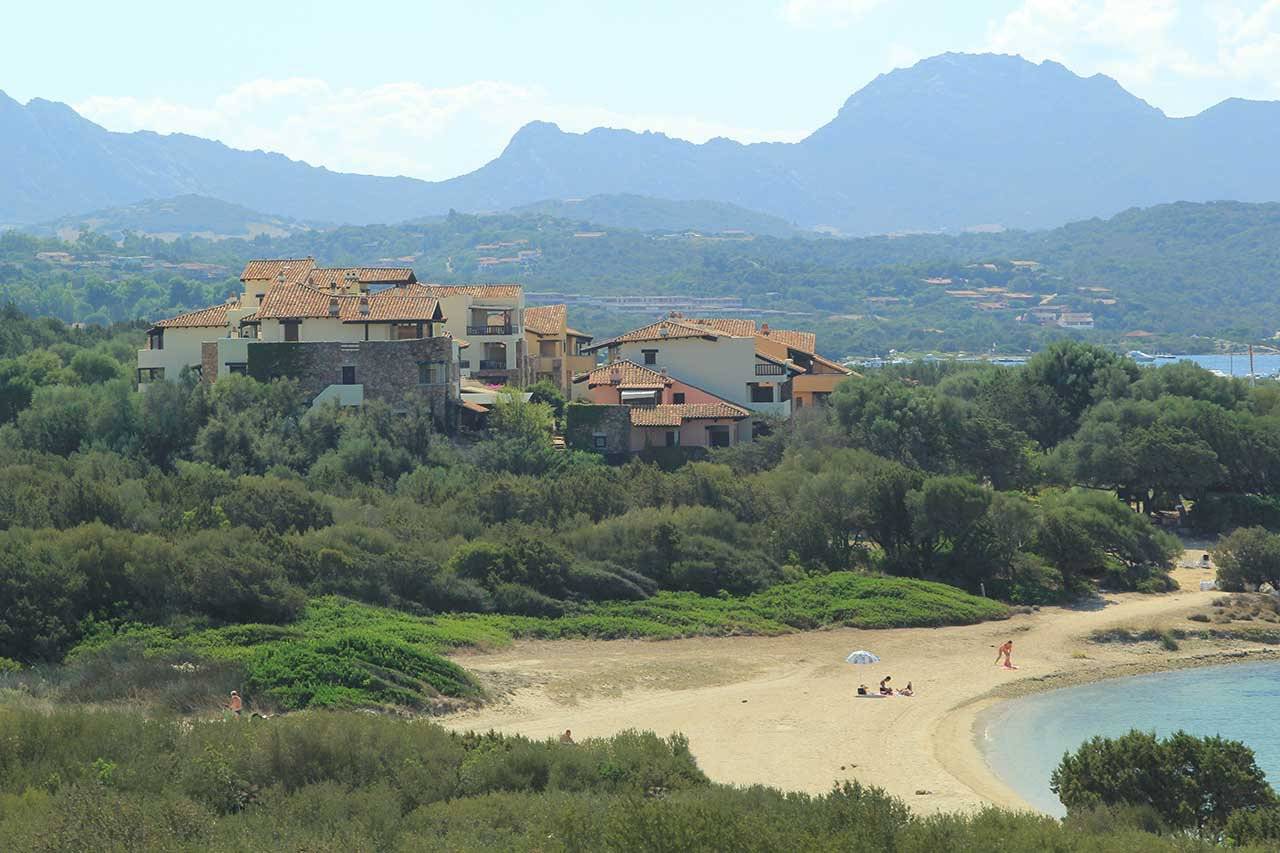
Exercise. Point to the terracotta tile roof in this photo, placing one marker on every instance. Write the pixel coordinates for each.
(295, 269)
(391, 305)
(732, 326)
(833, 365)
(629, 375)
(325, 276)
(674, 415)
(570, 330)
(545, 319)
(300, 301)
(806, 341)
(663, 330)
(495, 291)
(204, 318)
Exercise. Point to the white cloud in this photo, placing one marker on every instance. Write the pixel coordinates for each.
(826, 13)
(400, 128)
(1157, 44)
(1249, 42)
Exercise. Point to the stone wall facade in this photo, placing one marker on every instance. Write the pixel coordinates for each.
(208, 362)
(585, 421)
(387, 370)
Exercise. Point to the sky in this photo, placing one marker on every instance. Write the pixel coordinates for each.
(435, 89)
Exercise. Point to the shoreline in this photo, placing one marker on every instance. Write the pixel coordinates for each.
(781, 710)
(972, 765)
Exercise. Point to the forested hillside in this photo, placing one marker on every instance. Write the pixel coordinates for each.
(1176, 271)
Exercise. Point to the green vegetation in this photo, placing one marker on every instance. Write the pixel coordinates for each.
(1249, 556)
(77, 780)
(340, 653)
(1161, 269)
(1187, 783)
(332, 558)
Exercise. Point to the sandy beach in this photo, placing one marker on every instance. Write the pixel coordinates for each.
(782, 711)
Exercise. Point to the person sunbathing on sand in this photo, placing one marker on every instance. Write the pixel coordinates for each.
(907, 691)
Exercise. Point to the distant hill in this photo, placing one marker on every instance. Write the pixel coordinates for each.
(170, 218)
(1185, 273)
(643, 213)
(954, 142)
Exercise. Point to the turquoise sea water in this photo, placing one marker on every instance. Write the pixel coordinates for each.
(1024, 739)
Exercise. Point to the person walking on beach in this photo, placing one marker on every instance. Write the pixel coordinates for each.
(1006, 651)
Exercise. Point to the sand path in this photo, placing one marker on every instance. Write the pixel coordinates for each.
(781, 711)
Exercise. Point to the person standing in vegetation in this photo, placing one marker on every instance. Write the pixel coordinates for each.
(235, 706)
(567, 737)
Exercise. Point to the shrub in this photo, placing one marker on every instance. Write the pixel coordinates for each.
(354, 669)
(1191, 783)
(1254, 826)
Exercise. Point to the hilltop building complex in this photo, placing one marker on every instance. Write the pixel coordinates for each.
(351, 335)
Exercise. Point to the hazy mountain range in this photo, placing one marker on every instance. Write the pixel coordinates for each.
(956, 141)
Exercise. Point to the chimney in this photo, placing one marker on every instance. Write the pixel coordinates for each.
(615, 376)
(764, 329)
(333, 306)
(664, 331)
(364, 305)
(351, 280)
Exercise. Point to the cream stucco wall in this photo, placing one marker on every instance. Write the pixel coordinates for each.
(725, 367)
(181, 349)
(457, 315)
(329, 329)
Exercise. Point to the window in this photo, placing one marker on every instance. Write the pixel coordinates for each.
(650, 356)
(150, 374)
(290, 329)
(820, 397)
(718, 436)
(348, 374)
(156, 339)
(761, 393)
(237, 368)
(677, 397)
(433, 372)
(673, 438)
(600, 441)
(548, 349)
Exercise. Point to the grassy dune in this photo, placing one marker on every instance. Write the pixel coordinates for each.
(346, 654)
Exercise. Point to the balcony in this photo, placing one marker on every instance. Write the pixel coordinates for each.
(782, 410)
(770, 370)
(345, 395)
(488, 331)
(148, 358)
(493, 364)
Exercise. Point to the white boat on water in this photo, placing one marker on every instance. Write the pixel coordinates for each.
(1140, 356)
